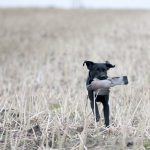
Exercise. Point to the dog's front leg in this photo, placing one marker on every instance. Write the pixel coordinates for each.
(106, 109)
(94, 105)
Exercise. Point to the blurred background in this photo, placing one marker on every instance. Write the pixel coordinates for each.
(113, 4)
(42, 79)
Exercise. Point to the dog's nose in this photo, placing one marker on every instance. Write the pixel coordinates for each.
(103, 74)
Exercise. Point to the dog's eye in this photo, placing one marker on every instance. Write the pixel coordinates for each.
(98, 69)
(103, 69)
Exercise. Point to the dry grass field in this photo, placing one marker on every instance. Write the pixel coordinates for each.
(43, 98)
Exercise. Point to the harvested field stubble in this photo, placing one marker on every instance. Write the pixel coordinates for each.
(43, 98)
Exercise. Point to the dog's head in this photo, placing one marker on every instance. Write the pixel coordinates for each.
(98, 70)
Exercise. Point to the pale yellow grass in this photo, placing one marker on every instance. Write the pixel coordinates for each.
(42, 80)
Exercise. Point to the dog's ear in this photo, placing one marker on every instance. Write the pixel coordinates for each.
(89, 64)
(109, 65)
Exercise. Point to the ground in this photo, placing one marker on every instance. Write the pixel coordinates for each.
(43, 98)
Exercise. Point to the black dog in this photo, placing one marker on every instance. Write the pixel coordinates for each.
(99, 71)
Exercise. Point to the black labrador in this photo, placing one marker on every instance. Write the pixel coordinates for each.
(99, 71)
